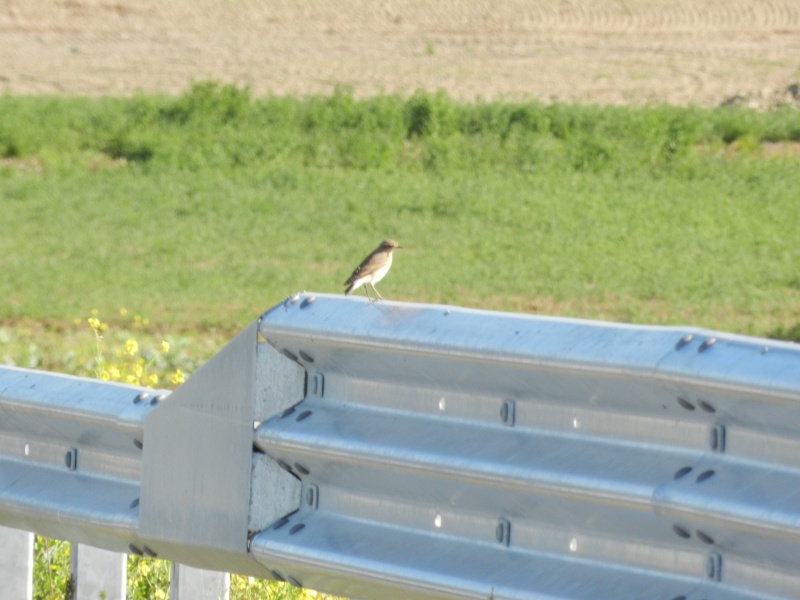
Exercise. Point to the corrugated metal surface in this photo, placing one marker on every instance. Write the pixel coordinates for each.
(460, 453)
(70, 458)
(392, 450)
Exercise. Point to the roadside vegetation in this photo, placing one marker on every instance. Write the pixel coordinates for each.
(206, 209)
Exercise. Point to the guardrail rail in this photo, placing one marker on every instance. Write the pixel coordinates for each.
(395, 450)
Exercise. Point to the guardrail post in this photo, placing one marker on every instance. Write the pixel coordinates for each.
(188, 583)
(16, 563)
(98, 573)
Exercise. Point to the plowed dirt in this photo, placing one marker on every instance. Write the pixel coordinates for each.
(605, 51)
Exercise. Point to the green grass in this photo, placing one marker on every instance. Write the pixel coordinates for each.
(204, 210)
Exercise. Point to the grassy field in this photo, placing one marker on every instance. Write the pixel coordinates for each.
(204, 210)
(175, 221)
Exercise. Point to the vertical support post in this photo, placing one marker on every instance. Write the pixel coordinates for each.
(98, 573)
(188, 583)
(16, 563)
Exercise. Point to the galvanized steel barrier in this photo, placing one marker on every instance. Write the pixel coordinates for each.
(392, 450)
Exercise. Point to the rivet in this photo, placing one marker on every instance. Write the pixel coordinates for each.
(706, 406)
(293, 581)
(149, 552)
(317, 385)
(284, 466)
(685, 403)
(134, 550)
(154, 401)
(717, 438)
(683, 341)
(280, 523)
(681, 532)
(138, 444)
(303, 416)
(71, 459)
(447, 312)
(308, 301)
(277, 576)
(507, 412)
(714, 567)
(705, 476)
(287, 412)
(289, 355)
(312, 496)
(302, 469)
(704, 537)
(503, 532)
(305, 356)
(135, 503)
(297, 528)
(707, 344)
(140, 397)
(682, 472)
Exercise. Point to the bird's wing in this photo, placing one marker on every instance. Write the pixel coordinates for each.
(363, 269)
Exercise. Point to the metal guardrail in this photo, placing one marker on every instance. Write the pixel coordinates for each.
(391, 450)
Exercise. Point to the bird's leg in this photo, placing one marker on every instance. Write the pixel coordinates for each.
(366, 289)
(376, 291)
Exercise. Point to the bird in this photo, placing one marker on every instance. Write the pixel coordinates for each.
(372, 269)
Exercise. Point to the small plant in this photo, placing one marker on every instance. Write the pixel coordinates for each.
(129, 363)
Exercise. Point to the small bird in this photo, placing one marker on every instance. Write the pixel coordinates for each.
(373, 269)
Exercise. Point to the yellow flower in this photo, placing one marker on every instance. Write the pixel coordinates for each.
(164, 346)
(161, 594)
(178, 377)
(94, 323)
(152, 380)
(95, 312)
(131, 347)
(138, 370)
(123, 312)
(144, 567)
(105, 375)
(132, 379)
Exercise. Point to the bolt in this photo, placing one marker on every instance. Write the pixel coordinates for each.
(714, 567)
(503, 532)
(71, 459)
(507, 412)
(312, 496)
(707, 344)
(683, 341)
(317, 385)
(717, 438)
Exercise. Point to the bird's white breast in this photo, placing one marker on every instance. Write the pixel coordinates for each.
(381, 273)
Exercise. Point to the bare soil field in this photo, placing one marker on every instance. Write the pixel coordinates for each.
(605, 51)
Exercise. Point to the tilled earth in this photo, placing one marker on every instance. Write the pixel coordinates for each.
(606, 51)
